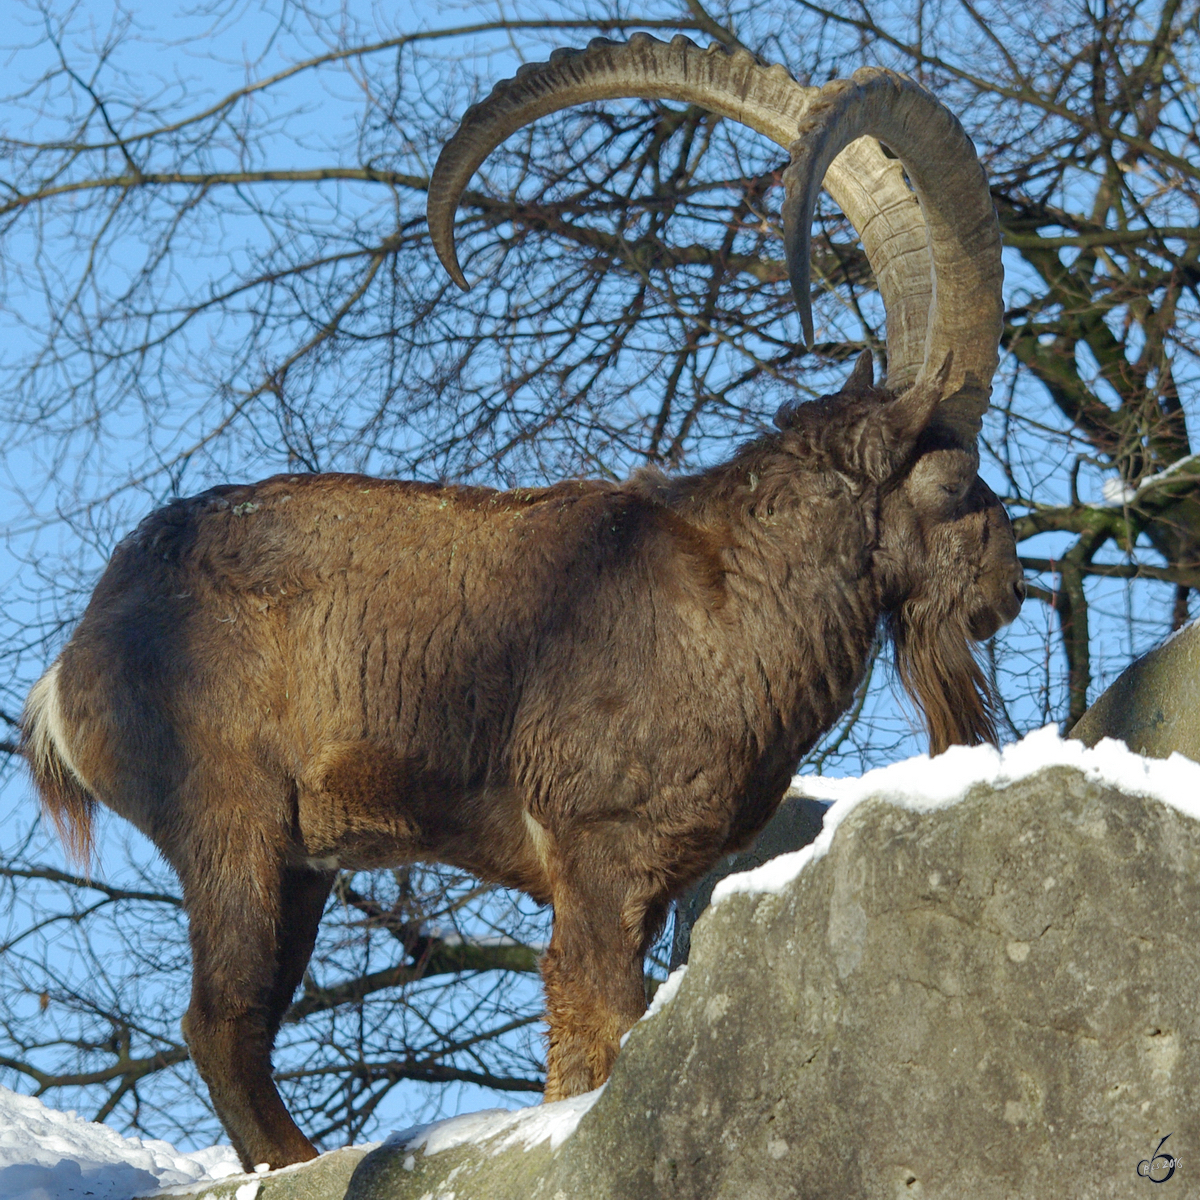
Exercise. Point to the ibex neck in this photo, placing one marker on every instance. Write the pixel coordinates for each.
(797, 549)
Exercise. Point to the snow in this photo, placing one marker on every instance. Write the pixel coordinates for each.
(1177, 466)
(662, 997)
(1192, 624)
(923, 784)
(555, 1121)
(666, 993)
(1117, 493)
(49, 1155)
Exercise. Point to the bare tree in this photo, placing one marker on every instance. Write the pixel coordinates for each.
(204, 280)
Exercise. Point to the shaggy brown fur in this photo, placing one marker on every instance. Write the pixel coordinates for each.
(589, 692)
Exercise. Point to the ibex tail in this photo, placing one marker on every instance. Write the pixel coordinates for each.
(65, 797)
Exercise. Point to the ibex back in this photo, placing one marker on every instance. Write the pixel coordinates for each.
(590, 691)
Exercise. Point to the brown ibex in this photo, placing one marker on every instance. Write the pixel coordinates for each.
(588, 691)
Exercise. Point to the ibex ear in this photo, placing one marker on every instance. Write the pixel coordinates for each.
(859, 386)
(881, 442)
(911, 411)
(786, 414)
(863, 375)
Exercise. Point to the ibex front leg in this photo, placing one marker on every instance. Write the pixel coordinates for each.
(593, 972)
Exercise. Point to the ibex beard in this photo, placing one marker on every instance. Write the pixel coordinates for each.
(588, 692)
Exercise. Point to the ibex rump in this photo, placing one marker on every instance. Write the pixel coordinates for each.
(589, 691)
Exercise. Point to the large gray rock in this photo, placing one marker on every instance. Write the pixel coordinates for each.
(796, 823)
(995, 999)
(1154, 705)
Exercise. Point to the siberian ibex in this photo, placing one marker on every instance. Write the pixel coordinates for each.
(589, 691)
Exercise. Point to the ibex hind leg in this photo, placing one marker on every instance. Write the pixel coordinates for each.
(252, 923)
(303, 894)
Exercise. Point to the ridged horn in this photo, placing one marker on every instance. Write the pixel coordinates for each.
(967, 314)
(868, 186)
(734, 85)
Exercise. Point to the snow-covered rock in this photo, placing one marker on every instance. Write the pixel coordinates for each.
(979, 981)
(49, 1155)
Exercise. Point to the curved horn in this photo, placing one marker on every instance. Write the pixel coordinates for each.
(964, 237)
(867, 185)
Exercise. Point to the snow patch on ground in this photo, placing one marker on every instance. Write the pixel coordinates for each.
(530, 1127)
(49, 1155)
(924, 784)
